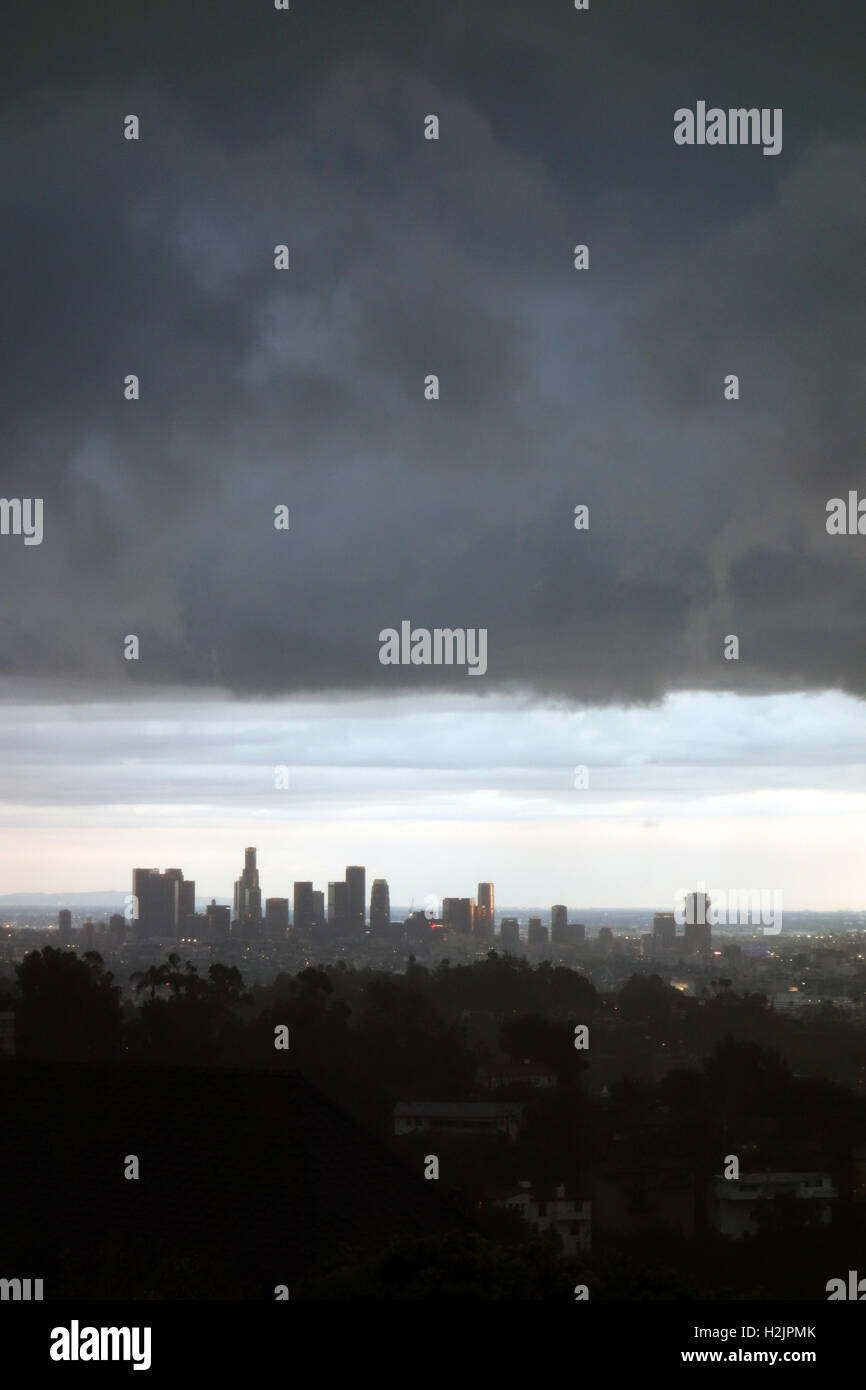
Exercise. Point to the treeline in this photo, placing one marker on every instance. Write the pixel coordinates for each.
(741, 1078)
(423, 1026)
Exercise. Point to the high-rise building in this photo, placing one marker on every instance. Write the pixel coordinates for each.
(276, 918)
(356, 886)
(565, 933)
(248, 894)
(558, 919)
(187, 926)
(186, 896)
(117, 927)
(484, 912)
(318, 909)
(338, 906)
(143, 894)
(509, 932)
(64, 926)
(158, 902)
(697, 908)
(664, 929)
(174, 886)
(458, 914)
(698, 932)
(218, 921)
(380, 906)
(418, 928)
(538, 934)
(302, 908)
(605, 938)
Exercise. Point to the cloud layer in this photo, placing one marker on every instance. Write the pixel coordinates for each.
(411, 257)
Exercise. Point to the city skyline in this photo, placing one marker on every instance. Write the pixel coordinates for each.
(163, 904)
(172, 893)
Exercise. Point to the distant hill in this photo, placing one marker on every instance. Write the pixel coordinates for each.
(47, 900)
(116, 901)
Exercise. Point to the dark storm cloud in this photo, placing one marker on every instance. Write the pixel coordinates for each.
(411, 257)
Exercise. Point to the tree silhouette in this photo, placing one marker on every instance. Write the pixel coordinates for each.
(68, 1007)
(153, 978)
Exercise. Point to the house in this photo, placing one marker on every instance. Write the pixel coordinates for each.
(457, 1117)
(554, 1210)
(734, 1200)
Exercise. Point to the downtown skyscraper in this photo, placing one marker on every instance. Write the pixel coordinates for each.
(162, 902)
(484, 912)
(248, 893)
(356, 885)
(380, 906)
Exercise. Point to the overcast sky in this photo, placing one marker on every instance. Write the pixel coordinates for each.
(258, 647)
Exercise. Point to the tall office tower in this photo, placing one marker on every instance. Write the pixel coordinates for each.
(380, 906)
(509, 932)
(141, 904)
(562, 932)
(276, 918)
(248, 894)
(218, 920)
(538, 934)
(302, 908)
(458, 914)
(698, 932)
(356, 885)
(578, 932)
(158, 897)
(318, 918)
(117, 927)
(64, 926)
(418, 928)
(338, 906)
(697, 909)
(174, 885)
(484, 912)
(140, 893)
(664, 929)
(187, 926)
(558, 918)
(186, 898)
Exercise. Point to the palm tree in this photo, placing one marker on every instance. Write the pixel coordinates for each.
(153, 978)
